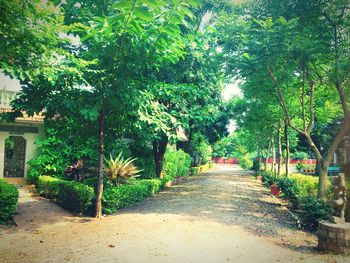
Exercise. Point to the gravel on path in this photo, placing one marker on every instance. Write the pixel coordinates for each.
(224, 215)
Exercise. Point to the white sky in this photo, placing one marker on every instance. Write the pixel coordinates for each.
(231, 90)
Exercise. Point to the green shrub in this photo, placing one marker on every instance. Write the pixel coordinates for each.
(313, 211)
(63, 145)
(290, 190)
(301, 191)
(299, 166)
(268, 178)
(153, 185)
(201, 151)
(8, 201)
(176, 163)
(121, 196)
(71, 195)
(201, 168)
(246, 163)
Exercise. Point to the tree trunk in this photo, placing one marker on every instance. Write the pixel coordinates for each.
(322, 180)
(258, 159)
(279, 150)
(273, 167)
(267, 155)
(159, 147)
(286, 137)
(98, 213)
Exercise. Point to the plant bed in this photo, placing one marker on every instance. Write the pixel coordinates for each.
(8, 201)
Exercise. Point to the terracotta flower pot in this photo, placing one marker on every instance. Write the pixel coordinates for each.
(275, 190)
(259, 178)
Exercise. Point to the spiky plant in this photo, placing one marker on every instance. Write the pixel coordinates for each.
(119, 170)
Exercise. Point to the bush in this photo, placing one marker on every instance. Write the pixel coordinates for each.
(71, 195)
(313, 211)
(246, 163)
(8, 201)
(201, 168)
(301, 192)
(299, 166)
(122, 196)
(63, 145)
(176, 163)
(268, 178)
(201, 151)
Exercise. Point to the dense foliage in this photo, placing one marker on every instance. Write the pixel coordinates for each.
(245, 162)
(73, 196)
(8, 201)
(301, 191)
(79, 197)
(293, 60)
(122, 196)
(176, 164)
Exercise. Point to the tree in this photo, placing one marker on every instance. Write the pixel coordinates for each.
(118, 47)
(299, 57)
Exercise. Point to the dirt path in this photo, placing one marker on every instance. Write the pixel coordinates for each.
(221, 216)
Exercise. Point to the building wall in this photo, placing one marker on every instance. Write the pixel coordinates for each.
(31, 147)
(342, 155)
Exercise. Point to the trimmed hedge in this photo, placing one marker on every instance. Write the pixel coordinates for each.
(122, 196)
(80, 197)
(8, 201)
(301, 192)
(71, 195)
(202, 168)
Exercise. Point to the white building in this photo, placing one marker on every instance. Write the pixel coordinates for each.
(17, 139)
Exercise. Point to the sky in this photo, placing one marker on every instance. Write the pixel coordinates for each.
(229, 91)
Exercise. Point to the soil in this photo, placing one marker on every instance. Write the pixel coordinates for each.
(219, 216)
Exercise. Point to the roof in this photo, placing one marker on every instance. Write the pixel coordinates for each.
(37, 118)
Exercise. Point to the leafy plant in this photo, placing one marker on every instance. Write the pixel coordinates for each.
(176, 163)
(8, 201)
(201, 151)
(119, 170)
(246, 163)
(299, 166)
(313, 211)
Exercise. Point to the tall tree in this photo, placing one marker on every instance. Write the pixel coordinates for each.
(298, 56)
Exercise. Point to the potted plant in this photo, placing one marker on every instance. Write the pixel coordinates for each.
(275, 190)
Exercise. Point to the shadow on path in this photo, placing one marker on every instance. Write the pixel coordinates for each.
(229, 196)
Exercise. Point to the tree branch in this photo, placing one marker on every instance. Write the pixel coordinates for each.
(282, 102)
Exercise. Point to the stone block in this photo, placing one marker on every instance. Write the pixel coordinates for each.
(334, 237)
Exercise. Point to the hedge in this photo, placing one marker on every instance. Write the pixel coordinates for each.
(202, 168)
(8, 201)
(71, 195)
(301, 192)
(79, 197)
(122, 196)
